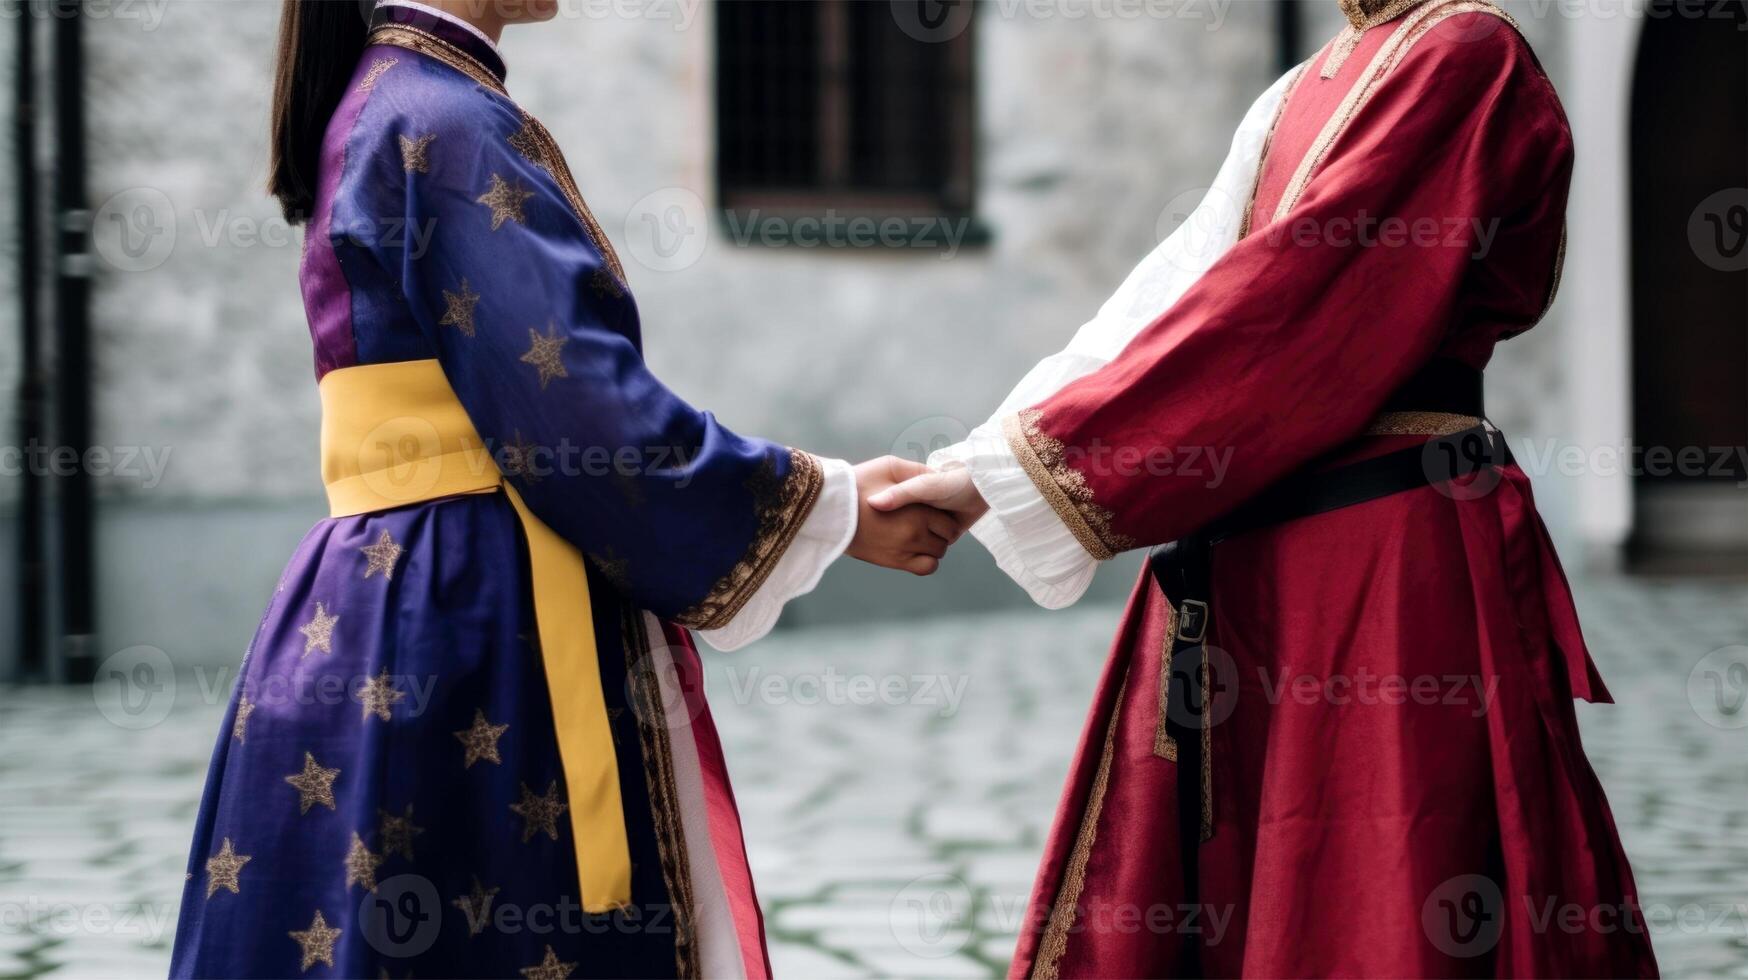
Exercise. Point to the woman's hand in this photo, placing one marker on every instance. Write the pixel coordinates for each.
(913, 537)
(949, 490)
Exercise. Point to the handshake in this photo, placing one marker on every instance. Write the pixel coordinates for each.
(907, 514)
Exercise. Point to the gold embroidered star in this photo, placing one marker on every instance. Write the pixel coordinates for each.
(458, 312)
(397, 833)
(240, 724)
(527, 142)
(518, 459)
(477, 907)
(377, 694)
(319, 632)
(314, 784)
(505, 200)
(549, 968)
(541, 812)
(317, 942)
(222, 868)
(481, 741)
(361, 865)
(413, 156)
(543, 353)
(374, 75)
(381, 556)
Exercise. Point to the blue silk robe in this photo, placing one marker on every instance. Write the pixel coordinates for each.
(386, 793)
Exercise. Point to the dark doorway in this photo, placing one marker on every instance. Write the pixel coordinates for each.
(1690, 287)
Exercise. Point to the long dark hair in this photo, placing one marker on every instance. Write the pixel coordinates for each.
(320, 42)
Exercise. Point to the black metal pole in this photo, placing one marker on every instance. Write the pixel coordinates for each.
(1289, 34)
(32, 567)
(73, 346)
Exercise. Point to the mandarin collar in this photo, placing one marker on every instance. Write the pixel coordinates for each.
(445, 27)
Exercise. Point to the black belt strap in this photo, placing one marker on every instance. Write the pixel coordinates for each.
(1182, 571)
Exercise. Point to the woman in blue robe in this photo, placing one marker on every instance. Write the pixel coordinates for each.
(469, 737)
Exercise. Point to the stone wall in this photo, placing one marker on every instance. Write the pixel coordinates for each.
(1092, 120)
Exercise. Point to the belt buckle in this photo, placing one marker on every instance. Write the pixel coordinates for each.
(1192, 620)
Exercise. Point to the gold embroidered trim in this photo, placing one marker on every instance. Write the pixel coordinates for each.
(1064, 487)
(1268, 141)
(1362, 14)
(532, 135)
(1164, 745)
(1065, 909)
(1428, 14)
(1420, 424)
(1345, 42)
(375, 73)
(780, 505)
(658, 775)
(1559, 271)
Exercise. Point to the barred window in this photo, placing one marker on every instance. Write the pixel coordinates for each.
(855, 107)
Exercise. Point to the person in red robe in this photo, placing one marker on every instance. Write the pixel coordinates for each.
(1351, 748)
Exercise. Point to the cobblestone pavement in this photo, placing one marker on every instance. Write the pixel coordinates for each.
(895, 834)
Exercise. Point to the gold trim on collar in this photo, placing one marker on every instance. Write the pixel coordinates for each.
(532, 137)
(1370, 13)
(1408, 30)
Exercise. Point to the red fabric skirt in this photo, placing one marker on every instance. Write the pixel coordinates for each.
(1397, 783)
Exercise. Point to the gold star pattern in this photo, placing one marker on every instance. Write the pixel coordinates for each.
(240, 724)
(527, 142)
(377, 694)
(458, 311)
(361, 865)
(518, 459)
(381, 556)
(505, 199)
(541, 812)
(477, 907)
(413, 157)
(319, 632)
(374, 75)
(397, 833)
(222, 868)
(549, 968)
(481, 740)
(543, 353)
(314, 784)
(317, 942)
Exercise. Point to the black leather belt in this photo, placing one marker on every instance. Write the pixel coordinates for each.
(1182, 568)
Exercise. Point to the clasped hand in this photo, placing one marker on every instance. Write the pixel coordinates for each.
(908, 514)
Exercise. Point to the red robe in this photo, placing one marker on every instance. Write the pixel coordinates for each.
(1397, 782)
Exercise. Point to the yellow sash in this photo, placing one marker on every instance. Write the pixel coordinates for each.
(395, 434)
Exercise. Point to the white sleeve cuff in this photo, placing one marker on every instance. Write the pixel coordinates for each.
(1028, 540)
(823, 536)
